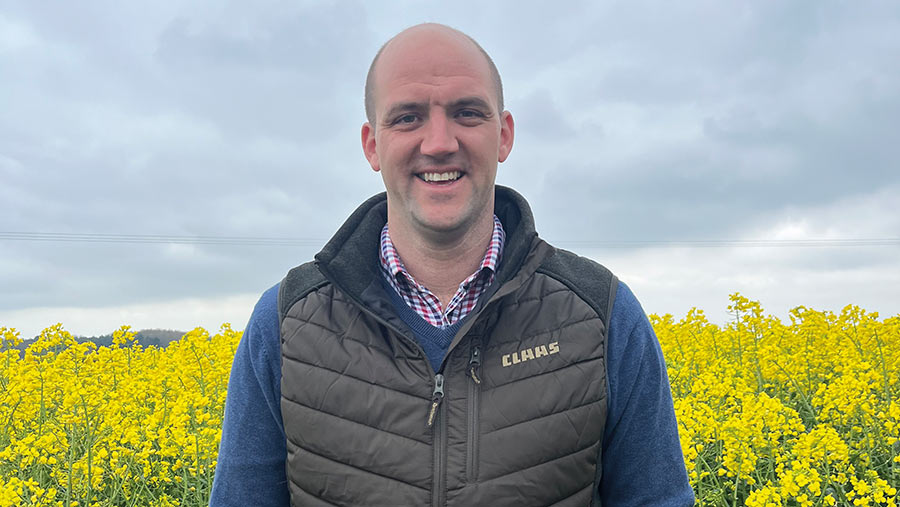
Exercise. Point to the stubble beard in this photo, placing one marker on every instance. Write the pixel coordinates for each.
(468, 222)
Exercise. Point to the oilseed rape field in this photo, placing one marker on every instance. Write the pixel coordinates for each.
(771, 413)
(122, 425)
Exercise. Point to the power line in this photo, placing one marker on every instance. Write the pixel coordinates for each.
(158, 239)
(739, 243)
(284, 241)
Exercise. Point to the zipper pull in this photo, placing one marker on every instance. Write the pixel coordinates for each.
(436, 398)
(475, 363)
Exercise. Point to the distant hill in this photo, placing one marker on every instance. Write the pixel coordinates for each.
(163, 337)
(146, 337)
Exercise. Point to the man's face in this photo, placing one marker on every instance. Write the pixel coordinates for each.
(438, 135)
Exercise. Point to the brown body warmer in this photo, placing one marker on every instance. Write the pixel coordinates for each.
(517, 412)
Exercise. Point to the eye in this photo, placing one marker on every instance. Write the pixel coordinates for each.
(406, 119)
(469, 113)
(470, 117)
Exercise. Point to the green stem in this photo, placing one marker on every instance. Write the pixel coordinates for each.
(90, 456)
(803, 398)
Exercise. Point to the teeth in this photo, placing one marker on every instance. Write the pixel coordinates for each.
(448, 176)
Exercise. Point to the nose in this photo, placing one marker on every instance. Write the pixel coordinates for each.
(439, 138)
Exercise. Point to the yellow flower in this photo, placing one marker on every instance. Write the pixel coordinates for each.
(771, 413)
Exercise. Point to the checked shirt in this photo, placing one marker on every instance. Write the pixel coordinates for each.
(422, 300)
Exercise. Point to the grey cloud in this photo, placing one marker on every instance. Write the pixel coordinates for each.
(769, 125)
(644, 120)
(542, 116)
(715, 186)
(106, 134)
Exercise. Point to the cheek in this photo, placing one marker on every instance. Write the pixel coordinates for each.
(485, 146)
(392, 149)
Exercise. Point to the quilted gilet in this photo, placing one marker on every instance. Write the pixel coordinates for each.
(516, 414)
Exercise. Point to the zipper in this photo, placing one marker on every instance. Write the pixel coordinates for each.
(440, 438)
(436, 398)
(474, 404)
(434, 413)
(439, 434)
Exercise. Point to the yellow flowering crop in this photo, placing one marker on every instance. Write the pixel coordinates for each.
(82, 425)
(799, 414)
(770, 413)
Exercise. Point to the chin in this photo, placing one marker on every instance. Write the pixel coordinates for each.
(443, 226)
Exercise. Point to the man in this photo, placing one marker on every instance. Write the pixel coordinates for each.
(437, 352)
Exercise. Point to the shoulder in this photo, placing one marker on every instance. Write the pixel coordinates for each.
(266, 308)
(634, 357)
(261, 337)
(630, 334)
(298, 283)
(627, 313)
(588, 279)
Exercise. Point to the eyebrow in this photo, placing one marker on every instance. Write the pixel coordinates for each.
(470, 102)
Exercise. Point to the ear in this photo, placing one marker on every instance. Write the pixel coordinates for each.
(507, 134)
(368, 146)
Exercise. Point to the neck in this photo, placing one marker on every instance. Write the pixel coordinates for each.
(442, 262)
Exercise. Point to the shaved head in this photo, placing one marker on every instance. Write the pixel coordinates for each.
(436, 28)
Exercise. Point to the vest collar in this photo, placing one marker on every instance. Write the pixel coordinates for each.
(350, 258)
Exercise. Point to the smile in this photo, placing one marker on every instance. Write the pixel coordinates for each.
(440, 177)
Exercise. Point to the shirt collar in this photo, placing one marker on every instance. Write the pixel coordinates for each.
(391, 262)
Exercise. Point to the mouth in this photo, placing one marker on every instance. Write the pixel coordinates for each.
(440, 177)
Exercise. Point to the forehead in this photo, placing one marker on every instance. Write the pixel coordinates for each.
(428, 62)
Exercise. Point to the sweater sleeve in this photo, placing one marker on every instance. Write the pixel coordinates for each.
(251, 464)
(642, 459)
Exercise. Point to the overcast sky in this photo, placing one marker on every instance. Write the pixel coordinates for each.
(644, 130)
